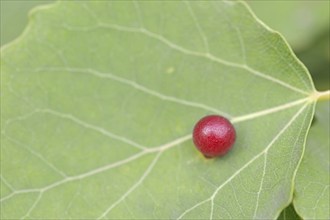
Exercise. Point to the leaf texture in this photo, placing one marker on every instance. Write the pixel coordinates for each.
(99, 100)
(312, 183)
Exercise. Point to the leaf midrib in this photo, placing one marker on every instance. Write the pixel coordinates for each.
(143, 152)
(263, 152)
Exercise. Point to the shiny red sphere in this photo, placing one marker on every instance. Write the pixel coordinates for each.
(214, 135)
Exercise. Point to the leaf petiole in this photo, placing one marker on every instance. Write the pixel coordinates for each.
(321, 96)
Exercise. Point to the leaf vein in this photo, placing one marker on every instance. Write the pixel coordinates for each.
(131, 189)
(185, 51)
(261, 185)
(265, 151)
(140, 88)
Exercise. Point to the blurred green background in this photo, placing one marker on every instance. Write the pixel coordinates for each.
(305, 25)
(14, 17)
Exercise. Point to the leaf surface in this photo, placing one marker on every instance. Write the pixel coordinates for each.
(312, 183)
(99, 100)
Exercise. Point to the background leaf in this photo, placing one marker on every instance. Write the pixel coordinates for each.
(14, 17)
(312, 194)
(299, 21)
(305, 24)
(289, 214)
(99, 100)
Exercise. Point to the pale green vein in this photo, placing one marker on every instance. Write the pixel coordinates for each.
(261, 185)
(186, 51)
(131, 189)
(200, 30)
(193, 207)
(238, 202)
(36, 154)
(138, 12)
(81, 123)
(269, 110)
(143, 152)
(300, 160)
(6, 183)
(34, 204)
(158, 150)
(174, 99)
(241, 42)
(137, 86)
(318, 200)
(239, 35)
(76, 195)
(123, 139)
(265, 151)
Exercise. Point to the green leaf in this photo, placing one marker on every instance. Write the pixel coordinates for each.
(289, 214)
(99, 100)
(312, 194)
(305, 25)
